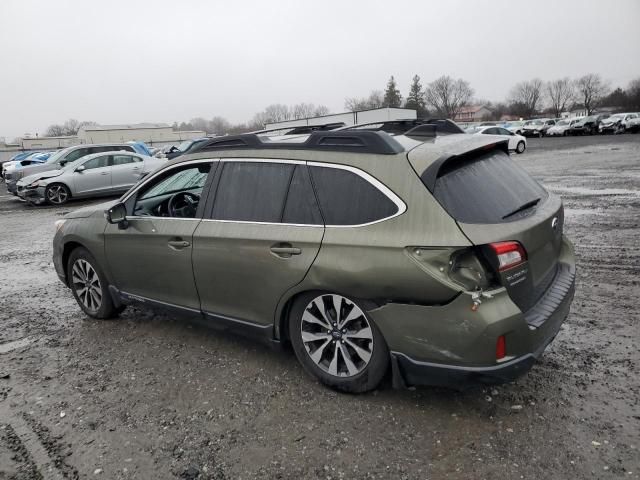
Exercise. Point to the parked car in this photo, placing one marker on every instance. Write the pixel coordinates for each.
(436, 257)
(633, 124)
(61, 158)
(28, 159)
(514, 127)
(562, 127)
(22, 159)
(185, 147)
(537, 127)
(617, 123)
(517, 143)
(586, 125)
(105, 173)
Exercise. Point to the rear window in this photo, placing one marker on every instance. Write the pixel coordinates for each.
(488, 189)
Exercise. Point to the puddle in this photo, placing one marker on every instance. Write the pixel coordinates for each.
(596, 192)
(10, 346)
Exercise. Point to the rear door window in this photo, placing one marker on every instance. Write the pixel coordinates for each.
(252, 191)
(346, 198)
(124, 159)
(487, 189)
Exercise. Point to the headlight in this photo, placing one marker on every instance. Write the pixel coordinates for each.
(36, 184)
(59, 224)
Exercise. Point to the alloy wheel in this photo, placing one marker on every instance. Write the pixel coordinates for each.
(86, 284)
(57, 194)
(337, 335)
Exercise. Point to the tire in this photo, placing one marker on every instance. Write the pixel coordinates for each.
(57, 194)
(520, 147)
(89, 286)
(352, 357)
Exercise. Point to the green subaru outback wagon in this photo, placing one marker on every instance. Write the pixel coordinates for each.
(433, 257)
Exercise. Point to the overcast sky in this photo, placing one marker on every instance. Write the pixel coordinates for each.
(160, 61)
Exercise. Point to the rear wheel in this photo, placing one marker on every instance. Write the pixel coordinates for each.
(520, 147)
(89, 285)
(57, 194)
(336, 342)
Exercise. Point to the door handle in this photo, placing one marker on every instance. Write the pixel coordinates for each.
(104, 173)
(285, 250)
(178, 244)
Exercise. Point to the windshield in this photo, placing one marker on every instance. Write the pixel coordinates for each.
(616, 116)
(563, 122)
(184, 146)
(536, 122)
(57, 155)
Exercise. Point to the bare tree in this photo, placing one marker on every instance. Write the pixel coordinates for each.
(527, 96)
(69, 128)
(320, 111)
(277, 113)
(591, 88)
(199, 123)
(447, 95)
(561, 93)
(374, 100)
(219, 126)
(55, 130)
(302, 110)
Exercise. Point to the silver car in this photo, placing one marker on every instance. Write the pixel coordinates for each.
(105, 173)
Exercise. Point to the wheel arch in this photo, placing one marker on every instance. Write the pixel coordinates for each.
(281, 330)
(69, 247)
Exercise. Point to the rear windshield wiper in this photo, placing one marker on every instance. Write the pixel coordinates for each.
(522, 208)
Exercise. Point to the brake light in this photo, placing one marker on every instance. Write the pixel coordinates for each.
(501, 348)
(509, 254)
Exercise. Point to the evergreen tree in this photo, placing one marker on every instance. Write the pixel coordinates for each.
(392, 97)
(415, 99)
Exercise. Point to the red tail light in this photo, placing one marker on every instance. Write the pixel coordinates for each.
(501, 348)
(509, 254)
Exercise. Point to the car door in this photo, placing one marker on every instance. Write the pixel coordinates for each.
(92, 176)
(150, 259)
(125, 171)
(513, 140)
(258, 239)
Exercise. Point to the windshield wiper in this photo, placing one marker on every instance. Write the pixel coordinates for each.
(522, 208)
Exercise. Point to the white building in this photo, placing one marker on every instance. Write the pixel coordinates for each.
(350, 118)
(150, 133)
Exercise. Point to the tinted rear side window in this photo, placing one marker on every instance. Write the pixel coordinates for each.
(486, 189)
(348, 199)
(301, 206)
(252, 192)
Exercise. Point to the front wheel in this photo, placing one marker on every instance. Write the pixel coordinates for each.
(336, 342)
(57, 194)
(89, 285)
(520, 147)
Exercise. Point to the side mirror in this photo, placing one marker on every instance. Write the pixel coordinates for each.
(80, 169)
(117, 215)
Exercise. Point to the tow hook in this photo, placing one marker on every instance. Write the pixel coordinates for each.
(477, 297)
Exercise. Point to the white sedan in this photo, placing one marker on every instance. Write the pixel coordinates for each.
(517, 143)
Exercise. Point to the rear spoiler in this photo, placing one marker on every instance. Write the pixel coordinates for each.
(451, 161)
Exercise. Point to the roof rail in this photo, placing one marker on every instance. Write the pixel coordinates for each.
(302, 129)
(336, 141)
(402, 126)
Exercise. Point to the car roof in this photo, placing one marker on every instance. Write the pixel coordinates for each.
(111, 152)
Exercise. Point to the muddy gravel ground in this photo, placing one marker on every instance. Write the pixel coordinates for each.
(153, 397)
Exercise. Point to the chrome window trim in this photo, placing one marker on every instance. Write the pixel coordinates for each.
(401, 206)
